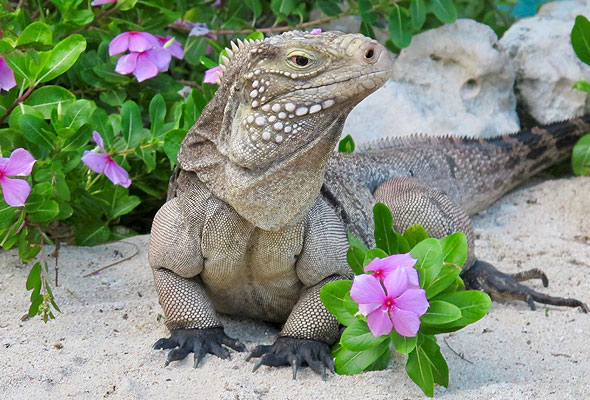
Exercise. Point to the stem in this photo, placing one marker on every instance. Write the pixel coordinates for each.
(189, 83)
(17, 102)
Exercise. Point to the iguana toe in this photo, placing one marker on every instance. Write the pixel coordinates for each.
(295, 352)
(483, 276)
(199, 342)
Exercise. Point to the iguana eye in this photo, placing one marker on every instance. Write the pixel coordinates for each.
(302, 61)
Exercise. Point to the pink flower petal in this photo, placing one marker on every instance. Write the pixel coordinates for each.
(381, 267)
(142, 41)
(379, 322)
(20, 163)
(15, 191)
(413, 281)
(98, 140)
(368, 308)
(119, 44)
(406, 323)
(7, 80)
(316, 31)
(396, 282)
(95, 161)
(126, 64)
(145, 69)
(213, 75)
(117, 174)
(160, 57)
(367, 289)
(101, 2)
(413, 300)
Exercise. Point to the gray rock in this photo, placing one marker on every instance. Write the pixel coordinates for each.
(546, 64)
(451, 80)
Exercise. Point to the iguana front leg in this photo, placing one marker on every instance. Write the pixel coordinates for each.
(412, 202)
(176, 259)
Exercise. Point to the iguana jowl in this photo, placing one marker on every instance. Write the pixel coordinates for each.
(258, 209)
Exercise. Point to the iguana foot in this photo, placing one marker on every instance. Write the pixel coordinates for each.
(483, 276)
(200, 342)
(294, 352)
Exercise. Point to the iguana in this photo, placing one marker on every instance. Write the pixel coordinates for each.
(259, 207)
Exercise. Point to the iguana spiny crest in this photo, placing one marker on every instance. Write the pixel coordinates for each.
(279, 111)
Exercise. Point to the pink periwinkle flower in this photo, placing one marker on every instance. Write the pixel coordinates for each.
(316, 31)
(7, 80)
(100, 163)
(213, 75)
(381, 267)
(20, 163)
(101, 2)
(132, 41)
(391, 303)
(145, 64)
(175, 48)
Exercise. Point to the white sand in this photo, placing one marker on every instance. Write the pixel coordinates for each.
(100, 346)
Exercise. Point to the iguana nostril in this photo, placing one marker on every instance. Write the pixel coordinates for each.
(370, 53)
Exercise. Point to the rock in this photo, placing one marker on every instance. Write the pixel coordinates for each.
(451, 80)
(545, 63)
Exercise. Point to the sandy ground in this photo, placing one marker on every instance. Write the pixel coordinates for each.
(100, 346)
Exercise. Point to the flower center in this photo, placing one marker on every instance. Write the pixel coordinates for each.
(388, 302)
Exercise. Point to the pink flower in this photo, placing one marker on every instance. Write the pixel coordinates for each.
(132, 41)
(175, 48)
(213, 75)
(100, 163)
(144, 64)
(316, 31)
(393, 303)
(20, 163)
(7, 81)
(382, 267)
(101, 2)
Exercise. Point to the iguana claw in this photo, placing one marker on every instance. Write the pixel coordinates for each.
(483, 276)
(292, 351)
(199, 342)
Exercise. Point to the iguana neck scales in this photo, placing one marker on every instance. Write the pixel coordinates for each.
(258, 209)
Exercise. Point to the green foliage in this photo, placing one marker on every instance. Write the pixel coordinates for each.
(581, 156)
(580, 38)
(451, 308)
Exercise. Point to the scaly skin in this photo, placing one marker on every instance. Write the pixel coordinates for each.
(256, 219)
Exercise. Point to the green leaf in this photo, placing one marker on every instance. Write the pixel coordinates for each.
(131, 124)
(415, 234)
(114, 97)
(582, 86)
(440, 312)
(27, 249)
(356, 242)
(172, 140)
(372, 254)
(333, 295)
(117, 202)
(329, 7)
(255, 6)
(256, 36)
(403, 344)
(7, 214)
(417, 13)
(446, 277)
(349, 362)
(77, 139)
(91, 234)
(283, 7)
(357, 337)
(419, 370)
(384, 236)
(355, 258)
(45, 213)
(454, 248)
(381, 363)
(346, 145)
(440, 370)
(157, 113)
(148, 156)
(398, 27)
(473, 305)
(37, 131)
(37, 32)
(444, 10)
(430, 259)
(62, 57)
(78, 113)
(48, 98)
(125, 5)
(34, 278)
(580, 38)
(581, 156)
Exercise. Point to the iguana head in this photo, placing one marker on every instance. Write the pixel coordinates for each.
(280, 110)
